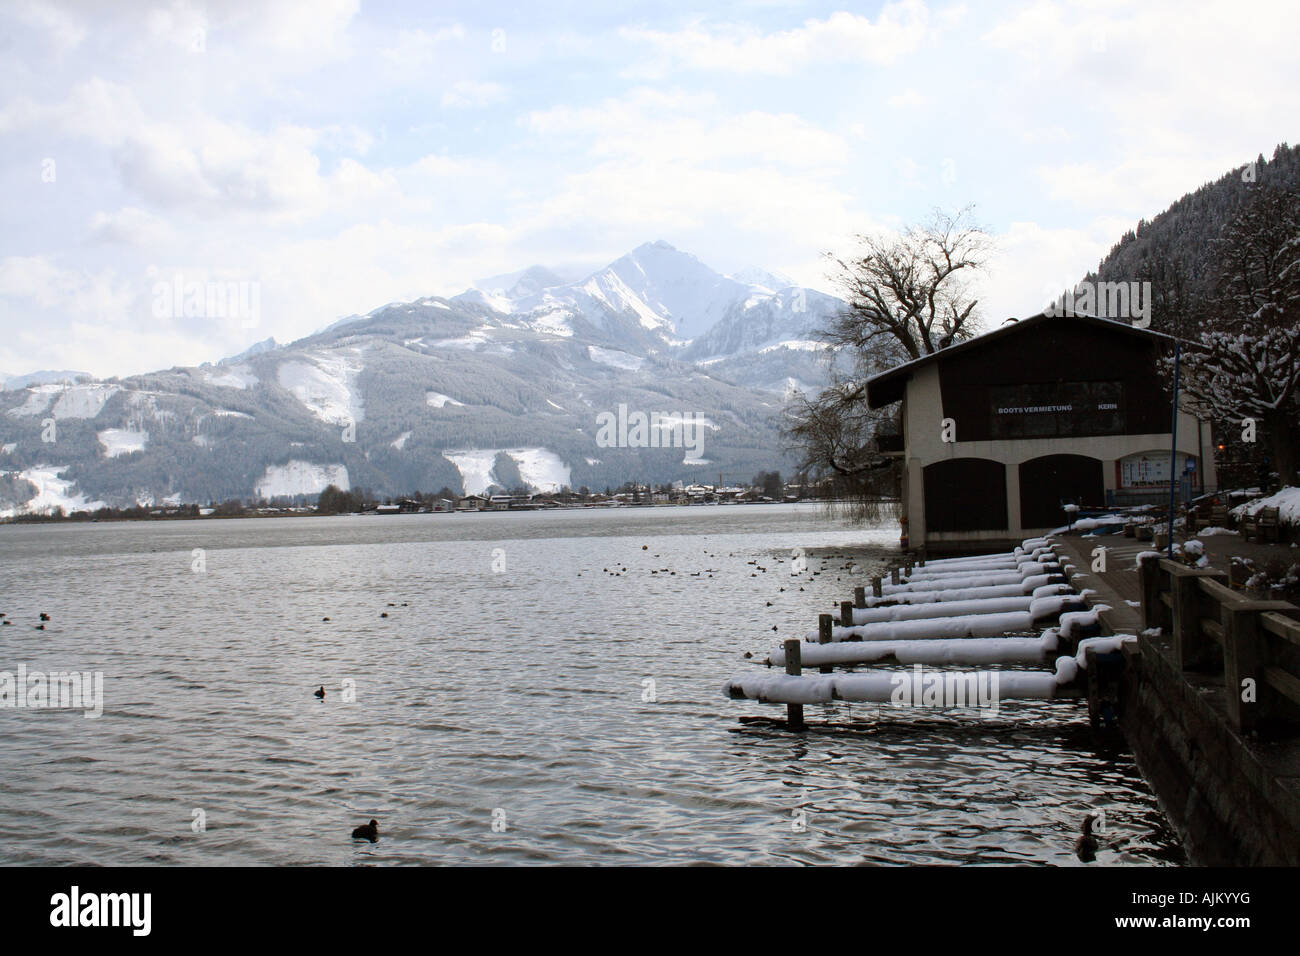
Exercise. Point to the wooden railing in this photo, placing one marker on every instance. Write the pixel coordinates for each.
(1256, 642)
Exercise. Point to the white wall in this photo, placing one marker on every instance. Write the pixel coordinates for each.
(922, 430)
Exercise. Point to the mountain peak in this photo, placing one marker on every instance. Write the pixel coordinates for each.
(657, 244)
(266, 345)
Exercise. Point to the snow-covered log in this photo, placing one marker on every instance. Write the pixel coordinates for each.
(1066, 606)
(914, 688)
(974, 651)
(917, 610)
(1029, 585)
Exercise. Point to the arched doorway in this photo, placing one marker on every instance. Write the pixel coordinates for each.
(1048, 481)
(965, 494)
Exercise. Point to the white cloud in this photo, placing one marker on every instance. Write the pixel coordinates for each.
(131, 226)
(738, 48)
(469, 94)
(908, 99)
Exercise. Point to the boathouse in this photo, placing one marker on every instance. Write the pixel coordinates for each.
(999, 432)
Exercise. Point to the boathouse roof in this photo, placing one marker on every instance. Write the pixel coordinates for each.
(886, 388)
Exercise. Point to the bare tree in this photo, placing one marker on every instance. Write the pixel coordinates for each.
(908, 296)
(912, 288)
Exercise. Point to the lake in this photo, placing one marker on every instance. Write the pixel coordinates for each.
(525, 701)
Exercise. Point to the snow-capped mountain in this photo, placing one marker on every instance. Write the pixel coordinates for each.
(502, 385)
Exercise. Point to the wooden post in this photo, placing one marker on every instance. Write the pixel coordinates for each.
(1094, 689)
(907, 568)
(877, 589)
(859, 597)
(1154, 613)
(1240, 663)
(920, 558)
(846, 613)
(824, 625)
(794, 667)
(893, 576)
(1192, 647)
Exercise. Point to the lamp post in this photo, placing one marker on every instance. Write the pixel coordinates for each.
(1173, 452)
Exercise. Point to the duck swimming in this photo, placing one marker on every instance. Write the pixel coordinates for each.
(369, 831)
(320, 693)
(1085, 848)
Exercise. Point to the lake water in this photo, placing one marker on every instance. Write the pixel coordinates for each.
(506, 684)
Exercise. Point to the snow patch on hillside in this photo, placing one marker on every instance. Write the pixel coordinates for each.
(615, 358)
(120, 441)
(38, 400)
(438, 400)
(230, 413)
(326, 385)
(74, 401)
(83, 401)
(51, 492)
(552, 322)
(237, 376)
(470, 340)
(400, 441)
(540, 468)
(301, 478)
(796, 345)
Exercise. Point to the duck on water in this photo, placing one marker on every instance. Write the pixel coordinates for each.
(369, 831)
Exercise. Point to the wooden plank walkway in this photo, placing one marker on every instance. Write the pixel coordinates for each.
(1119, 587)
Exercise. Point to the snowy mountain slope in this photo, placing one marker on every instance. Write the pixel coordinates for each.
(493, 387)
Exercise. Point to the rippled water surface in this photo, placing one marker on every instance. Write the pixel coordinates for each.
(517, 690)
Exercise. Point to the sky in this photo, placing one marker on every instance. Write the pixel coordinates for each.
(334, 155)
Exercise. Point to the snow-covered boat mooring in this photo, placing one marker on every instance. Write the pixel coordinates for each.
(1014, 616)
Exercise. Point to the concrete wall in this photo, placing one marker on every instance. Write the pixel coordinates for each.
(1229, 806)
(922, 423)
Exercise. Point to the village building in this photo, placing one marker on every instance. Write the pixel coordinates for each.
(999, 432)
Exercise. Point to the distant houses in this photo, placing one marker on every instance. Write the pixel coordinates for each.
(694, 494)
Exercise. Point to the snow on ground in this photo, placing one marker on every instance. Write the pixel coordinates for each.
(121, 441)
(615, 358)
(203, 441)
(552, 322)
(400, 441)
(326, 385)
(38, 399)
(540, 468)
(236, 376)
(70, 401)
(230, 413)
(471, 340)
(591, 461)
(609, 288)
(438, 400)
(51, 492)
(1287, 501)
(796, 345)
(83, 401)
(553, 405)
(8, 449)
(301, 478)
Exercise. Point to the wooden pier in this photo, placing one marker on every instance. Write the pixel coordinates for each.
(967, 611)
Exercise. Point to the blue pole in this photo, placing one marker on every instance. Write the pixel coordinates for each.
(1173, 453)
